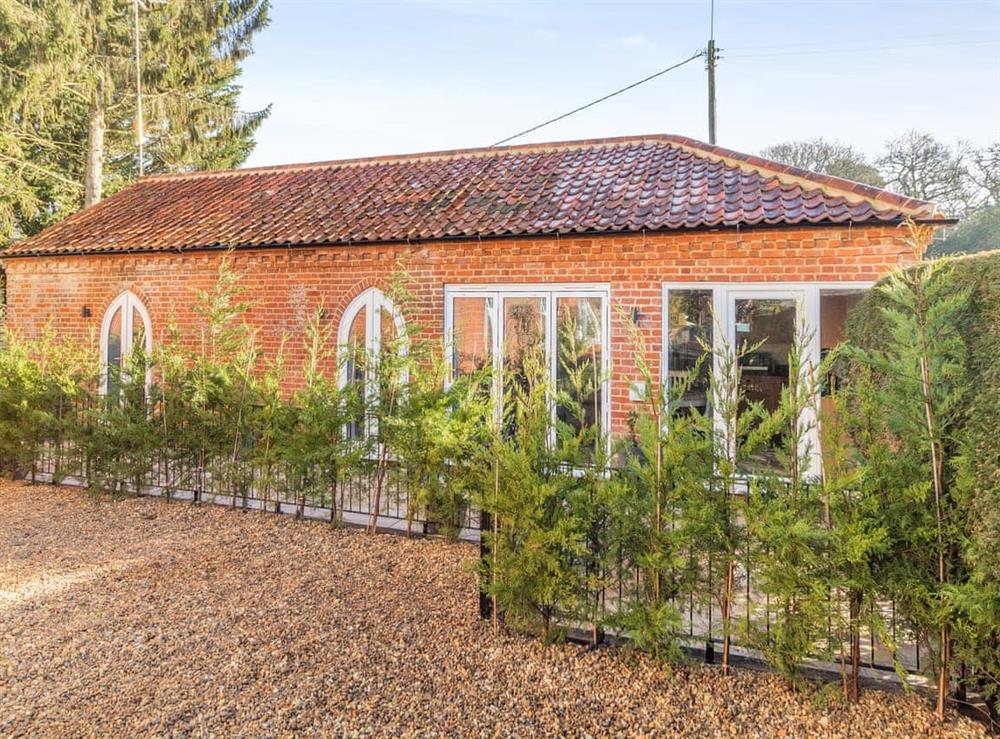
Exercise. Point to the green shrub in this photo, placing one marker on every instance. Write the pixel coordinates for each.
(532, 573)
(786, 527)
(928, 335)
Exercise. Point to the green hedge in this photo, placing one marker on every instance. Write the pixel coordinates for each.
(981, 330)
(979, 446)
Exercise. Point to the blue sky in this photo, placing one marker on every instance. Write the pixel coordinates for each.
(357, 79)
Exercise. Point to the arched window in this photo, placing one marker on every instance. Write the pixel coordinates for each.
(367, 329)
(125, 326)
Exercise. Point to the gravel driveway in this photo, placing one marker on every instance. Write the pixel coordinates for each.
(138, 617)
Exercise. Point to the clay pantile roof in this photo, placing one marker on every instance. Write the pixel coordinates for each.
(651, 183)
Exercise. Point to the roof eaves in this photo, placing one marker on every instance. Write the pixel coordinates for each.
(735, 226)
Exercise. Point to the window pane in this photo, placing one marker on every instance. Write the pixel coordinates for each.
(579, 363)
(834, 307)
(138, 330)
(472, 334)
(114, 356)
(357, 355)
(768, 326)
(357, 346)
(387, 329)
(689, 330)
(524, 337)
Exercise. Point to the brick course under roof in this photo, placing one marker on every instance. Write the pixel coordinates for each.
(650, 183)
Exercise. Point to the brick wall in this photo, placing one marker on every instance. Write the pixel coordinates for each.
(287, 284)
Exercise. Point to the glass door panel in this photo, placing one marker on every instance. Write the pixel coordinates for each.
(764, 330)
(690, 329)
(580, 361)
(523, 335)
(472, 334)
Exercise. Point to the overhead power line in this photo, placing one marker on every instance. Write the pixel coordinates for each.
(610, 95)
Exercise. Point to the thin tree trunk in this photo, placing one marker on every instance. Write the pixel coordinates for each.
(937, 471)
(493, 553)
(658, 528)
(943, 672)
(93, 179)
(855, 614)
(334, 507)
(727, 607)
(380, 474)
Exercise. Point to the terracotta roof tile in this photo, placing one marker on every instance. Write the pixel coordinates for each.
(612, 185)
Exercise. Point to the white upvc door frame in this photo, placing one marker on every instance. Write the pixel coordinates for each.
(550, 293)
(810, 362)
(724, 295)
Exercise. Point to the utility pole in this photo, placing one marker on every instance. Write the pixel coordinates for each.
(711, 58)
(138, 90)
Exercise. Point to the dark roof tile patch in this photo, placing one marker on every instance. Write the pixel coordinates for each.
(613, 185)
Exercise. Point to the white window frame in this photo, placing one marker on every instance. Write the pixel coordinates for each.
(126, 302)
(550, 292)
(724, 296)
(374, 300)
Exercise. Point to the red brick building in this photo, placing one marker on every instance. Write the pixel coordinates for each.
(663, 228)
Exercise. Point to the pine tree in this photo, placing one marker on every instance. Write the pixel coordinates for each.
(534, 574)
(785, 522)
(317, 451)
(715, 512)
(665, 460)
(68, 102)
(922, 400)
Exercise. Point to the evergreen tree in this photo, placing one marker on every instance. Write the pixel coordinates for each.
(922, 402)
(317, 451)
(207, 391)
(68, 97)
(533, 574)
(271, 420)
(433, 434)
(859, 536)
(582, 462)
(786, 527)
(44, 385)
(665, 459)
(121, 438)
(715, 512)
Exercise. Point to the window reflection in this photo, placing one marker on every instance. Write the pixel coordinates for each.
(579, 363)
(472, 334)
(125, 331)
(689, 331)
(524, 338)
(369, 329)
(114, 353)
(765, 332)
(556, 336)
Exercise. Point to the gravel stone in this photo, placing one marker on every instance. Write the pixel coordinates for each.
(139, 617)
